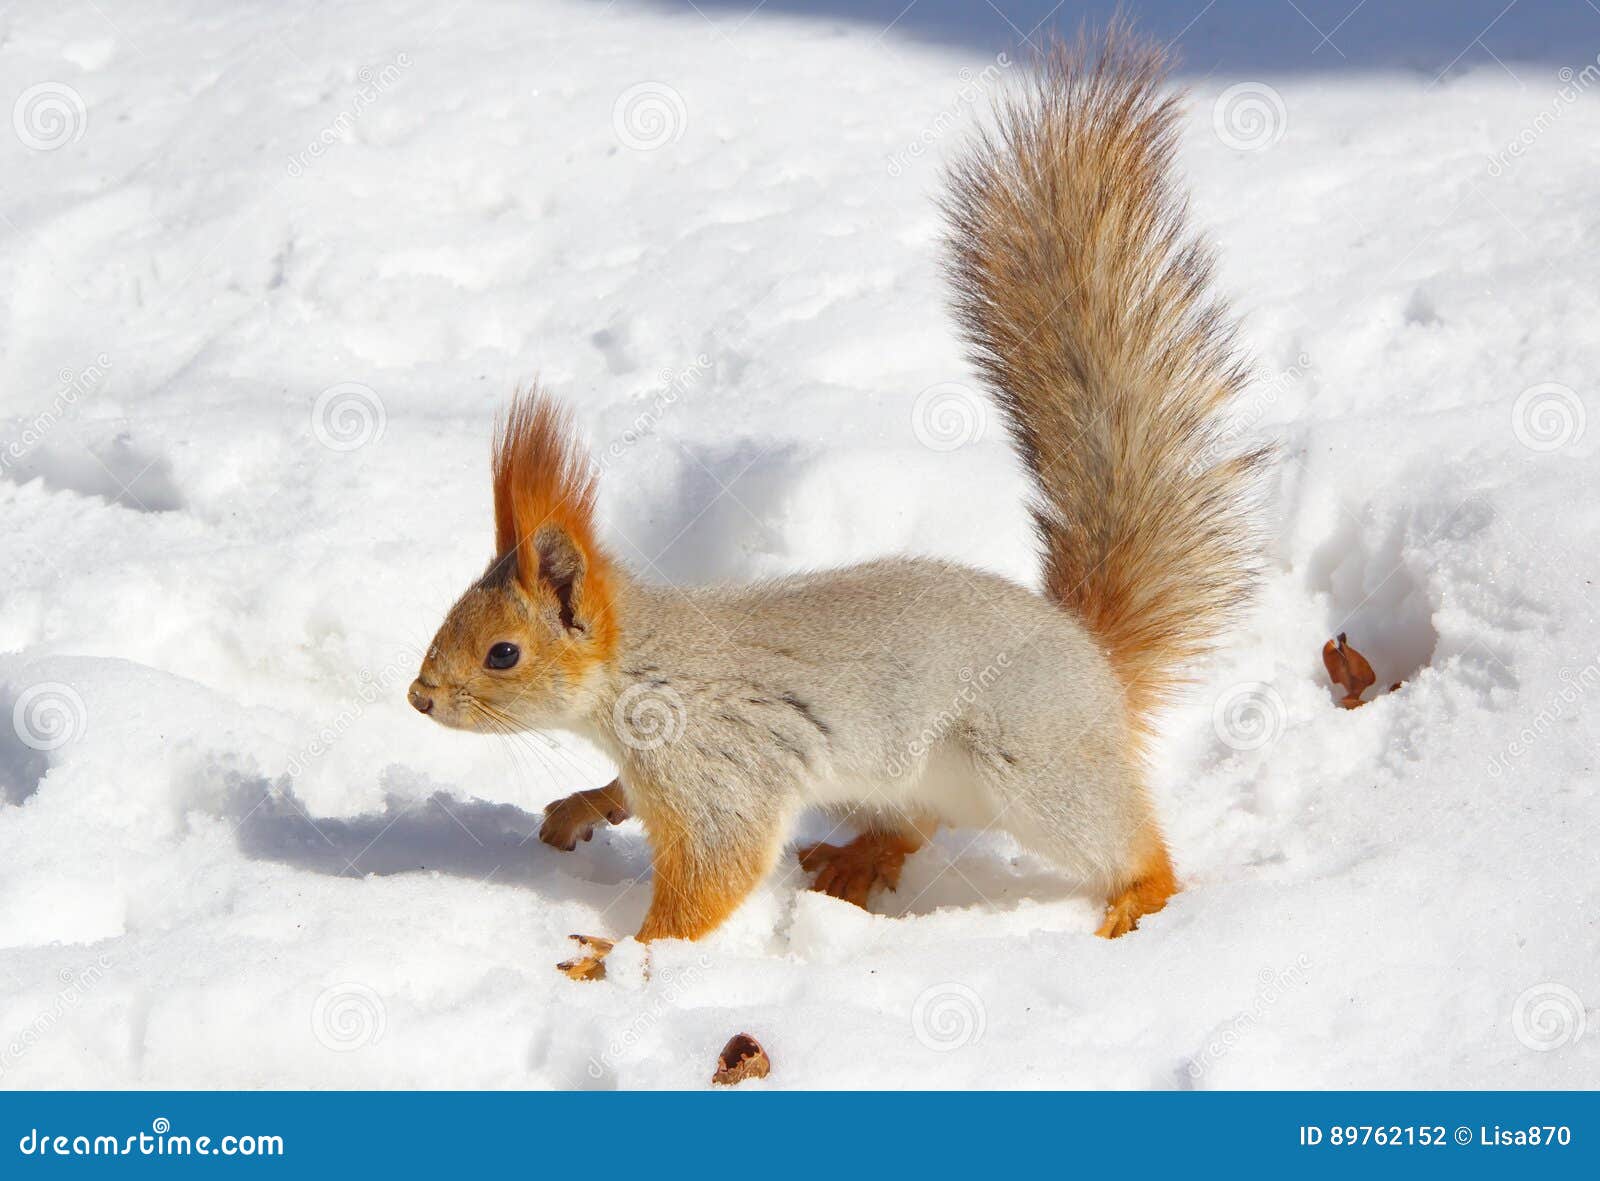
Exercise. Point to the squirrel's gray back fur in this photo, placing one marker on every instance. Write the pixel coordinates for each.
(914, 691)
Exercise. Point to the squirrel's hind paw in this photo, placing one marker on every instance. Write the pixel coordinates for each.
(1146, 894)
(849, 872)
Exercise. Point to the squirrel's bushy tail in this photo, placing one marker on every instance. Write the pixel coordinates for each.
(1084, 298)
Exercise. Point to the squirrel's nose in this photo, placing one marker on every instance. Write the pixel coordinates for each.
(419, 697)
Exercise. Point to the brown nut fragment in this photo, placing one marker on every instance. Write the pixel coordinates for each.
(740, 1059)
(591, 966)
(1348, 669)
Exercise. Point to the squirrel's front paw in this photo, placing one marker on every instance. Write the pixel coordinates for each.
(591, 965)
(568, 821)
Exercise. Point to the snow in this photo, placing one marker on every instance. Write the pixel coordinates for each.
(231, 855)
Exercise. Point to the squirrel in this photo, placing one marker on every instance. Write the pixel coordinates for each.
(903, 694)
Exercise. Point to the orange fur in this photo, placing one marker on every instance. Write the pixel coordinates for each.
(699, 882)
(574, 818)
(1149, 885)
(543, 480)
(851, 871)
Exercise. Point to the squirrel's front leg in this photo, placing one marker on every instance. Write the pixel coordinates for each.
(573, 819)
(703, 870)
(702, 877)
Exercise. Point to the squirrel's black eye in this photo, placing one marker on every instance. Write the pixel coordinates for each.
(502, 655)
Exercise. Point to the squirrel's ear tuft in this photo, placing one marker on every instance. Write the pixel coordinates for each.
(541, 472)
(544, 507)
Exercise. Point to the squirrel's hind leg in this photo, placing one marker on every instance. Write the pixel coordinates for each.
(1144, 888)
(875, 858)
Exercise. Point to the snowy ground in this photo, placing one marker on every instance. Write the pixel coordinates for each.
(231, 855)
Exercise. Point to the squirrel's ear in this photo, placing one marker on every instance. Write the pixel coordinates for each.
(558, 565)
(544, 498)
